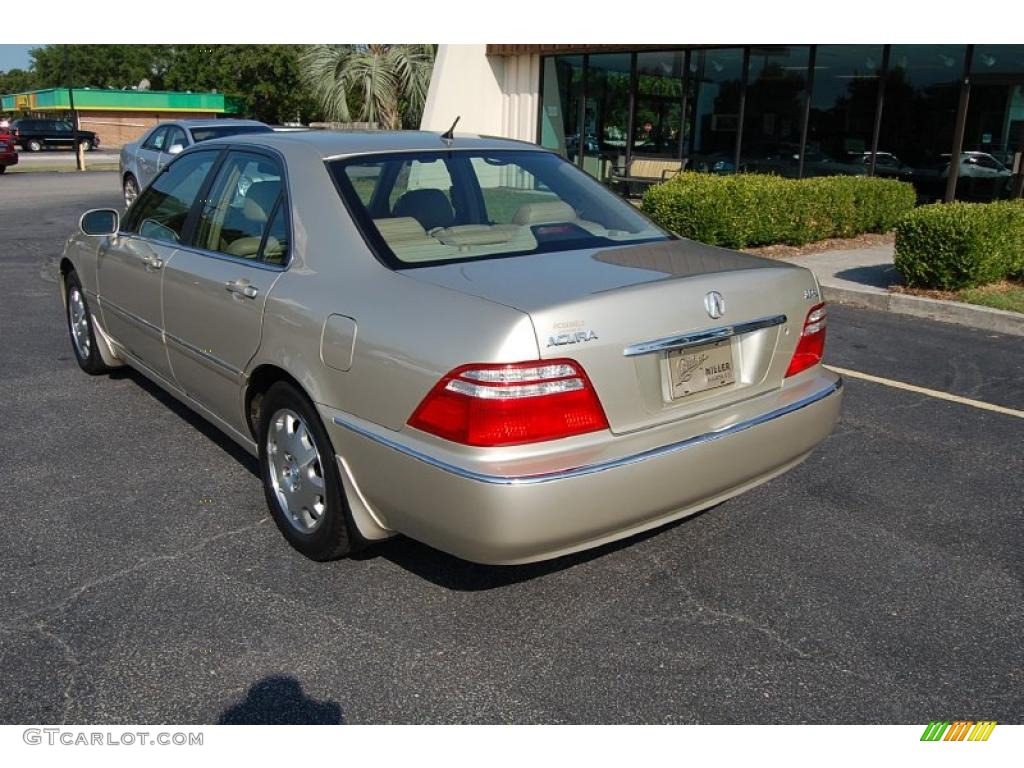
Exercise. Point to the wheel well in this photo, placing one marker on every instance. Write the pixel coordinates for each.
(66, 268)
(260, 380)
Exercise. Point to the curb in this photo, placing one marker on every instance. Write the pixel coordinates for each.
(971, 315)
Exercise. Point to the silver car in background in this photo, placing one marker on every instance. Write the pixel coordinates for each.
(142, 160)
(466, 340)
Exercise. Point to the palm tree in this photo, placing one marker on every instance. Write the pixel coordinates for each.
(387, 82)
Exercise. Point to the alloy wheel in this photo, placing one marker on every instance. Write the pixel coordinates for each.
(131, 191)
(296, 471)
(78, 323)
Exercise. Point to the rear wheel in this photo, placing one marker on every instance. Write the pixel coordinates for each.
(300, 476)
(131, 190)
(86, 145)
(34, 145)
(3, 168)
(80, 328)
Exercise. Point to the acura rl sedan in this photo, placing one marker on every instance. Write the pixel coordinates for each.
(465, 340)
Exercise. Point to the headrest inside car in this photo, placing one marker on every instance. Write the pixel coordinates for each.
(400, 229)
(544, 213)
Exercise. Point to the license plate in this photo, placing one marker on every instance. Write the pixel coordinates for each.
(697, 369)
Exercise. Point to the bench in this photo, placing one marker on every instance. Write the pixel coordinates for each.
(642, 172)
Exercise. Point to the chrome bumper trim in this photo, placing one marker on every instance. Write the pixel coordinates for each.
(590, 469)
(683, 340)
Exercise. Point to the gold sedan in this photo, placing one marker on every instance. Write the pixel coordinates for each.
(468, 341)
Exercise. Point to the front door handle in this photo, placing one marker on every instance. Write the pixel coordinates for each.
(153, 262)
(242, 288)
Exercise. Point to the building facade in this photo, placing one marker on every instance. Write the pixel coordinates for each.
(118, 117)
(902, 111)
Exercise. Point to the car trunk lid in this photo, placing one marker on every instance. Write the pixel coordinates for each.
(638, 319)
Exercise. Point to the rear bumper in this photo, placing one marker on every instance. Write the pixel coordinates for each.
(536, 508)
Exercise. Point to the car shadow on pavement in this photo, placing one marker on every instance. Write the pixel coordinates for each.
(279, 700)
(419, 559)
(194, 419)
(451, 572)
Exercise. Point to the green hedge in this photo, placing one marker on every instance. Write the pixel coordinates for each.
(745, 210)
(961, 245)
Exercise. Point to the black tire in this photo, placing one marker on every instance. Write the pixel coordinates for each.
(130, 190)
(34, 145)
(3, 168)
(334, 535)
(86, 349)
(86, 145)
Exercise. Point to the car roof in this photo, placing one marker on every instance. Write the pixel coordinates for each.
(335, 144)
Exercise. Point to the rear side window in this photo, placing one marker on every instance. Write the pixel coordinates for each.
(418, 209)
(217, 131)
(162, 209)
(175, 136)
(243, 215)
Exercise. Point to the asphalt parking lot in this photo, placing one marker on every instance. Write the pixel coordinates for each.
(141, 580)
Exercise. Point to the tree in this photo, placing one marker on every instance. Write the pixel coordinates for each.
(385, 84)
(265, 79)
(16, 81)
(101, 66)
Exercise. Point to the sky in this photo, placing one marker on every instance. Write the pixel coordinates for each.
(15, 56)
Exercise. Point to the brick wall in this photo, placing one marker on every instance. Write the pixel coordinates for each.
(118, 128)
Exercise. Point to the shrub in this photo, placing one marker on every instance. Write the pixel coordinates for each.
(961, 245)
(745, 210)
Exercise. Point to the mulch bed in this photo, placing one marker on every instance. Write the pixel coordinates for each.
(834, 244)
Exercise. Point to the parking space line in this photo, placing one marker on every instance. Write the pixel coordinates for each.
(929, 392)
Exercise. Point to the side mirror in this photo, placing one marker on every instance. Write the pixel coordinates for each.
(175, 149)
(99, 222)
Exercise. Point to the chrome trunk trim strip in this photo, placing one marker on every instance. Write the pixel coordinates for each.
(590, 469)
(683, 340)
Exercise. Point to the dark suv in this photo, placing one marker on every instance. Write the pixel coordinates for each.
(34, 134)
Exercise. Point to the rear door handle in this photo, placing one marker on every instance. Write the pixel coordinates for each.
(242, 288)
(153, 262)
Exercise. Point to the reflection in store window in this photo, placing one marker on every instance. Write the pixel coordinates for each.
(773, 115)
(559, 118)
(659, 102)
(717, 75)
(842, 115)
(922, 91)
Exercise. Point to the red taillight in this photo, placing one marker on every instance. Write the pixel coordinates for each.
(491, 405)
(811, 347)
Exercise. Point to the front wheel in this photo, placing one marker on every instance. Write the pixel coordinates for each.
(34, 145)
(86, 145)
(80, 328)
(300, 477)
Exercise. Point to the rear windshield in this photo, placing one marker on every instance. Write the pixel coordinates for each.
(424, 208)
(216, 131)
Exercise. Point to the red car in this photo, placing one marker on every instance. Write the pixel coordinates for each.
(7, 154)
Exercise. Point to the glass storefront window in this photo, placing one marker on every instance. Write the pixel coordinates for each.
(774, 109)
(922, 91)
(607, 110)
(995, 115)
(841, 122)
(717, 76)
(659, 101)
(562, 88)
